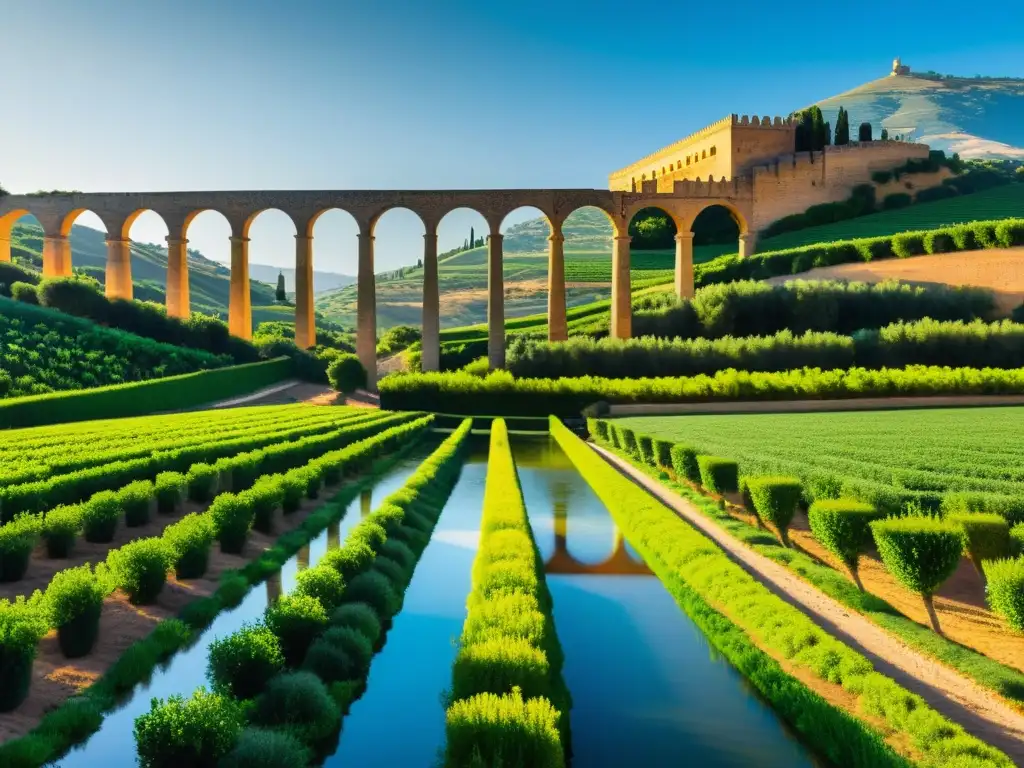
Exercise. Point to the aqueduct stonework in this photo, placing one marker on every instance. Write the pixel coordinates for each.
(56, 213)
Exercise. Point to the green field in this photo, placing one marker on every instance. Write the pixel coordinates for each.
(890, 458)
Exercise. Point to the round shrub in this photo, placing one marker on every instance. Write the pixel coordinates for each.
(74, 601)
(99, 517)
(346, 374)
(376, 591)
(298, 703)
(370, 532)
(645, 449)
(400, 553)
(662, 450)
(939, 241)
(293, 491)
(196, 732)
(202, 482)
(392, 571)
(190, 540)
(341, 653)
(350, 560)
(1005, 590)
(1009, 234)
(719, 475)
(170, 489)
(25, 292)
(244, 662)
(266, 748)
(140, 567)
(18, 538)
(296, 620)
(908, 244)
(135, 499)
(361, 617)
(627, 440)
(232, 519)
(389, 517)
(1017, 539)
(61, 527)
(920, 552)
(22, 625)
(265, 496)
(684, 463)
(843, 527)
(986, 536)
(322, 583)
(774, 500)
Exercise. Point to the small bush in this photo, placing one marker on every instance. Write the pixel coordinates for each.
(266, 748)
(350, 560)
(375, 590)
(1009, 234)
(25, 292)
(196, 732)
(684, 463)
(202, 482)
(99, 517)
(843, 527)
(244, 662)
(775, 500)
(293, 491)
(361, 617)
(939, 241)
(719, 475)
(170, 489)
(61, 527)
(896, 200)
(505, 730)
(22, 624)
(598, 429)
(986, 536)
(190, 540)
(298, 703)
(627, 438)
(140, 567)
(346, 374)
(232, 519)
(1005, 590)
(645, 449)
(370, 532)
(17, 540)
(400, 553)
(341, 653)
(908, 244)
(296, 620)
(497, 664)
(392, 571)
(265, 496)
(135, 499)
(322, 583)
(1017, 539)
(74, 601)
(662, 450)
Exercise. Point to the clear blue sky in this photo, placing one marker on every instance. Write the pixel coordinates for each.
(150, 95)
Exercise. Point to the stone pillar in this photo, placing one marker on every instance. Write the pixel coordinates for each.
(177, 278)
(495, 303)
(748, 244)
(56, 256)
(684, 265)
(305, 320)
(366, 312)
(240, 301)
(5, 248)
(557, 330)
(118, 282)
(622, 307)
(431, 360)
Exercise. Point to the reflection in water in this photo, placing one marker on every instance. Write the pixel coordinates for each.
(334, 535)
(365, 504)
(274, 590)
(303, 558)
(647, 689)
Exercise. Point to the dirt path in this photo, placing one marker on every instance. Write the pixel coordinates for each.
(959, 698)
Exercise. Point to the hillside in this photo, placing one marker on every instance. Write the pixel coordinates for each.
(322, 281)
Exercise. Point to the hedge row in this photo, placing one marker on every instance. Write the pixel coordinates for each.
(700, 575)
(303, 665)
(926, 342)
(500, 393)
(508, 703)
(142, 397)
(78, 718)
(1004, 233)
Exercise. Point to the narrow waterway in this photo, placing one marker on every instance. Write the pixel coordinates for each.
(114, 744)
(647, 688)
(400, 721)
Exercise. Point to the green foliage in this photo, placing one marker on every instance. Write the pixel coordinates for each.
(896, 200)
(360, 617)
(377, 591)
(986, 536)
(662, 453)
(190, 540)
(864, 132)
(135, 499)
(195, 732)
(267, 748)
(232, 518)
(299, 704)
(322, 583)
(346, 374)
(25, 292)
(774, 500)
(296, 620)
(350, 560)
(242, 663)
(202, 482)
(1017, 539)
(140, 567)
(1005, 590)
(17, 540)
(341, 653)
(61, 527)
(718, 475)
(265, 496)
(921, 552)
(74, 601)
(684, 462)
(397, 338)
(503, 730)
(843, 527)
(100, 515)
(170, 489)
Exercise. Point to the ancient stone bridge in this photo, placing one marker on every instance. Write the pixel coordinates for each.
(57, 213)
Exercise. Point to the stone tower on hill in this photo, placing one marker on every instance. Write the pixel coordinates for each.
(898, 68)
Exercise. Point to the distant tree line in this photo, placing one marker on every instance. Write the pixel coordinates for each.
(814, 133)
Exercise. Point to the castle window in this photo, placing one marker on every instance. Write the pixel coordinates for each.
(704, 154)
(654, 173)
(713, 150)
(687, 159)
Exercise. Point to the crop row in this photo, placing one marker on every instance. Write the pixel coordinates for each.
(73, 487)
(508, 704)
(283, 684)
(722, 598)
(77, 718)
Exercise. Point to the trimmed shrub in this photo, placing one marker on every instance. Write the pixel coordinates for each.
(202, 482)
(350, 560)
(499, 663)
(719, 475)
(322, 583)
(342, 653)
(908, 244)
(267, 748)
(504, 730)
(99, 517)
(627, 438)
(296, 620)
(774, 499)
(139, 568)
(17, 540)
(921, 552)
(61, 527)
(598, 429)
(684, 463)
(645, 449)
(298, 703)
(392, 571)
(135, 499)
(843, 527)
(896, 200)
(370, 532)
(346, 374)
(375, 590)
(190, 540)
(25, 292)
(293, 491)
(196, 732)
(939, 241)
(986, 536)
(361, 617)
(170, 489)
(662, 453)
(232, 519)
(1009, 234)
(245, 661)
(22, 625)
(1017, 539)
(265, 496)
(400, 553)
(74, 601)
(1004, 589)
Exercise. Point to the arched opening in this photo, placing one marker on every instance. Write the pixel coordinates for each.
(462, 279)
(21, 244)
(272, 265)
(87, 246)
(147, 234)
(716, 231)
(587, 253)
(334, 237)
(208, 255)
(653, 243)
(527, 276)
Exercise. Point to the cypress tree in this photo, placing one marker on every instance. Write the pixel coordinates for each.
(842, 128)
(864, 133)
(884, 135)
(280, 294)
(818, 137)
(472, 239)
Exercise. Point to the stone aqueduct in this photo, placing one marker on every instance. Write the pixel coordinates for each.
(118, 211)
